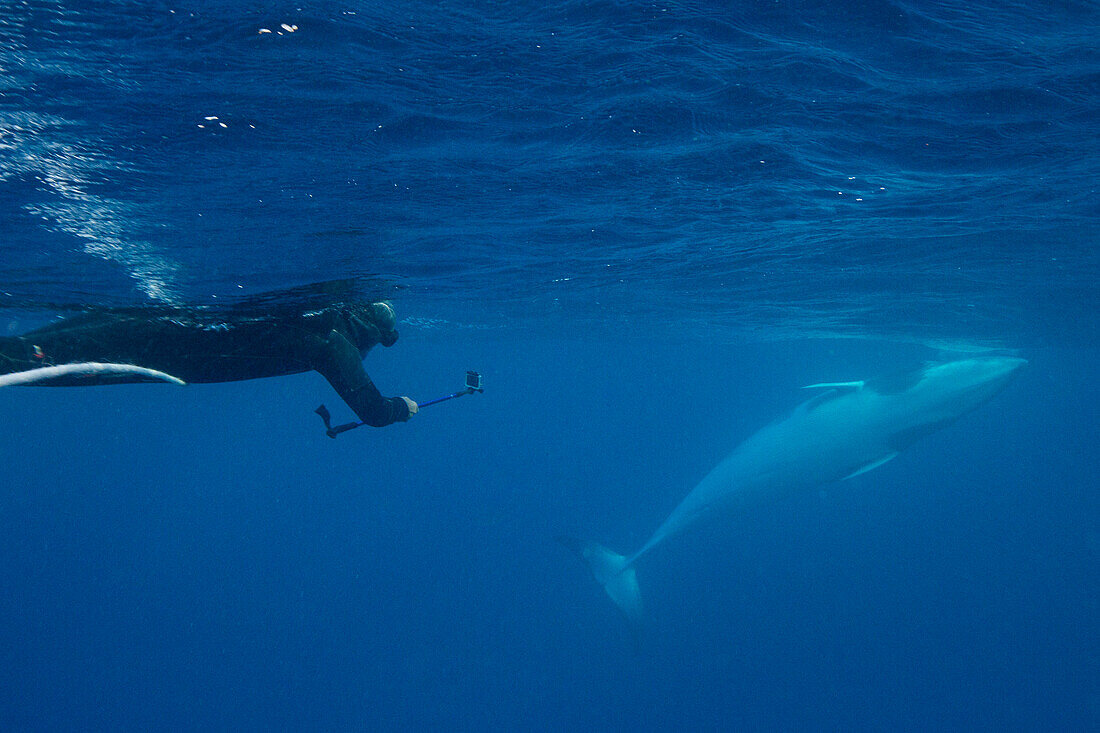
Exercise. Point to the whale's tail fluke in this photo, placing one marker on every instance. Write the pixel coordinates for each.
(614, 572)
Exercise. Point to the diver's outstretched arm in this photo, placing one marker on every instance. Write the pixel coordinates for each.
(338, 361)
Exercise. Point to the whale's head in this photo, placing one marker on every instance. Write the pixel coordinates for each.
(961, 386)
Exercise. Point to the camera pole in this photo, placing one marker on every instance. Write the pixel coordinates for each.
(473, 384)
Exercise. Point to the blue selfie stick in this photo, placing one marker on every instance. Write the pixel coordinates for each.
(473, 384)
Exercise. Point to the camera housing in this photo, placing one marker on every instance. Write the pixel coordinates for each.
(473, 382)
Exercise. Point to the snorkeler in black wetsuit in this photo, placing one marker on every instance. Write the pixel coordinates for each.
(198, 347)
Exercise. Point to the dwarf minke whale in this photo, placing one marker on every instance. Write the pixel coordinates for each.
(848, 429)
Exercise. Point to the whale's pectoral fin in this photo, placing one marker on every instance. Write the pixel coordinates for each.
(872, 465)
(613, 572)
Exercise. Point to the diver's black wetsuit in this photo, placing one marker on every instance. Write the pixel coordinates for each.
(331, 341)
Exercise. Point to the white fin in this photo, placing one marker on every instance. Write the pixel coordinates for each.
(91, 368)
(872, 465)
(615, 574)
(836, 385)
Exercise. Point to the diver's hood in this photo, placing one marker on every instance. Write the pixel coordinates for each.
(372, 323)
(384, 317)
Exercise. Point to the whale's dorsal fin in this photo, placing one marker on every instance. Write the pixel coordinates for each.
(818, 399)
(872, 465)
(836, 385)
(832, 391)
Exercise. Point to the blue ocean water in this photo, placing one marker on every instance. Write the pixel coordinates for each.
(648, 224)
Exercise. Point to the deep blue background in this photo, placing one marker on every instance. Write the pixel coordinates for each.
(648, 224)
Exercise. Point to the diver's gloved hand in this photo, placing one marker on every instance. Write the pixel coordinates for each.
(413, 407)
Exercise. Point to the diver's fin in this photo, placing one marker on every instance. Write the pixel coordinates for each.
(836, 385)
(872, 465)
(613, 572)
(58, 374)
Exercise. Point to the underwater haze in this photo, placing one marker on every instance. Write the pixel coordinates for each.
(647, 224)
